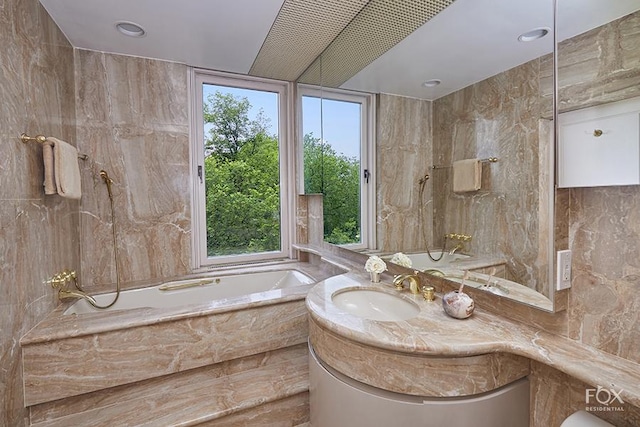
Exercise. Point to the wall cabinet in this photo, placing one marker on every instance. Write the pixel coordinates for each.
(600, 146)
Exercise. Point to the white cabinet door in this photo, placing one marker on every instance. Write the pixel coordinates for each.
(600, 146)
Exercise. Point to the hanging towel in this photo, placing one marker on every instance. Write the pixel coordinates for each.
(66, 169)
(49, 178)
(467, 175)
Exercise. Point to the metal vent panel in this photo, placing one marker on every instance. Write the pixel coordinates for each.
(378, 27)
(301, 31)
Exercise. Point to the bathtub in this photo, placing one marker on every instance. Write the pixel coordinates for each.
(195, 290)
(201, 333)
(421, 260)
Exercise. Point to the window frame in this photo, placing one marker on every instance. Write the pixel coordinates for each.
(197, 78)
(367, 154)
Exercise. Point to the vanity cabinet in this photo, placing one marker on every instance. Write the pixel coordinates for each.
(600, 146)
(337, 400)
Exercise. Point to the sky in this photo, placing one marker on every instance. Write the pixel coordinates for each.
(341, 119)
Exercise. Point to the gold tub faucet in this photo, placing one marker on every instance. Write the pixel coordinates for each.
(61, 282)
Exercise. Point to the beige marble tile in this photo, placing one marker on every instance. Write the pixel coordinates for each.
(132, 122)
(134, 353)
(498, 117)
(158, 388)
(38, 235)
(433, 334)
(200, 396)
(288, 412)
(403, 156)
(601, 65)
(413, 374)
(556, 395)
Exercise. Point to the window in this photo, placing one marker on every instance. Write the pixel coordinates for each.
(242, 197)
(337, 156)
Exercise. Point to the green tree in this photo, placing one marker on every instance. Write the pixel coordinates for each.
(242, 179)
(337, 178)
(242, 182)
(230, 126)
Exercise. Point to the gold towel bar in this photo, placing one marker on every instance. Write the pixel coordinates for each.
(41, 139)
(487, 160)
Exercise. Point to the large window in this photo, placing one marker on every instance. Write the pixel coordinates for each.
(337, 153)
(244, 166)
(242, 206)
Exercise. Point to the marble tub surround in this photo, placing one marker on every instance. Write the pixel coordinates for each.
(132, 121)
(273, 384)
(101, 368)
(432, 333)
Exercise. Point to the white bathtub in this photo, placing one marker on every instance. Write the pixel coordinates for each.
(421, 260)
(195, 290)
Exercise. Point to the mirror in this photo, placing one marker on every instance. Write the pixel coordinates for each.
(506, 114)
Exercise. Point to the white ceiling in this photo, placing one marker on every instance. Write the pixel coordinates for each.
(467, 42)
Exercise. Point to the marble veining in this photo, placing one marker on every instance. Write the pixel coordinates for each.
(433, 333)
(135, 345)
(497, 117)
(132, 121)
(38, 234)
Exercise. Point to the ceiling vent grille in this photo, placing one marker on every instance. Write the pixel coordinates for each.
(377, 28)
(301, 31)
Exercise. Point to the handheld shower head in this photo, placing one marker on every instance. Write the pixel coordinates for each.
(105, 176)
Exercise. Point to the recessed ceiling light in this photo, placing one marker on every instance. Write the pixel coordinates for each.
(534, 34)
(130, 29)
(431, 83)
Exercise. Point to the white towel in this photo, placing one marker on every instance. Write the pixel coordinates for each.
(66, 169)
(467, 175)
(49, 174)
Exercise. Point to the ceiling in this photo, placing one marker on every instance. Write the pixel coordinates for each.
(467, 41)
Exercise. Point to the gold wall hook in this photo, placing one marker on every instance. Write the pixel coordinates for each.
(597, 132)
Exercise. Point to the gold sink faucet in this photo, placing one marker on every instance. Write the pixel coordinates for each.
(414, 282)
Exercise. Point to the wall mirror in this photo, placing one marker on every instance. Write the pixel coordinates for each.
(494, 99)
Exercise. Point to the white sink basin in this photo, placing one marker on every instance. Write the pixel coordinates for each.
(375, 305)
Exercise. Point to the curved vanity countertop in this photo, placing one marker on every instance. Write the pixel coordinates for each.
(433, 333)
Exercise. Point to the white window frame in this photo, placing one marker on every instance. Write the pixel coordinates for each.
(198, 77)
(367, 154)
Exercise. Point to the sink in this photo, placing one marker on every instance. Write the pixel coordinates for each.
(375, 304)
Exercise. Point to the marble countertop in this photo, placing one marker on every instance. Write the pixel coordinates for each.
(433, 333)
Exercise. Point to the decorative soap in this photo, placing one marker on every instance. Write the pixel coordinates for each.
(457, 304)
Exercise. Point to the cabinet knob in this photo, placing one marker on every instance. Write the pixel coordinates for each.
(597, 132)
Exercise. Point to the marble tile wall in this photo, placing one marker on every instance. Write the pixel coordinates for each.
(38, 236)
(603, 65)
(498, 117)
(132, 116)
(403, 158)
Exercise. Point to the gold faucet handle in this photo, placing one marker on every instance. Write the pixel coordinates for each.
(398, 282)
(428, 293)
(58, 280)
(55, 281)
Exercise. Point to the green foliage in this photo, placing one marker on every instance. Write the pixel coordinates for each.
(242, 182)
(231, 127)
(337, 177)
